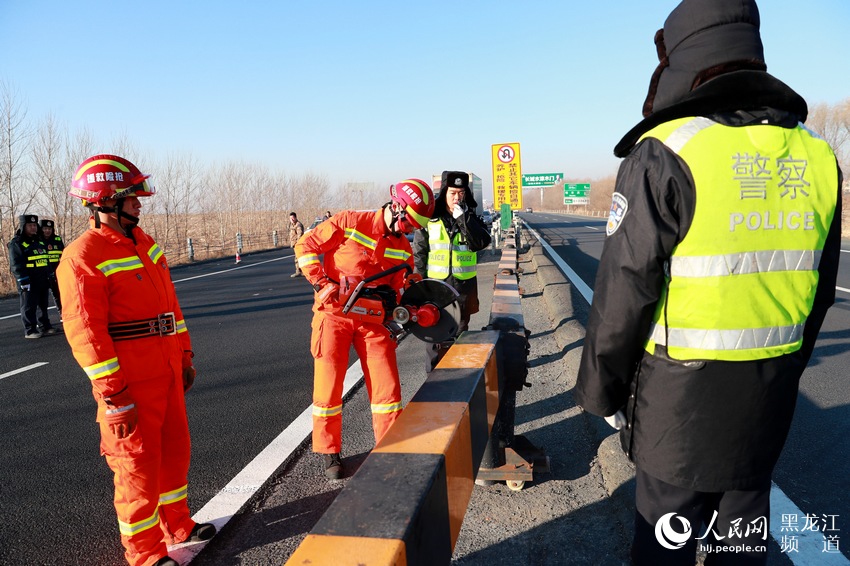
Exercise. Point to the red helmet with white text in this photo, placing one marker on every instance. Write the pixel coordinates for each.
(103, 177)
(416, 199)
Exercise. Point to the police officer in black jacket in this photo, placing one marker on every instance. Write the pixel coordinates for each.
(456, 227)
(55, 246)
(718, 268)
(28, 261)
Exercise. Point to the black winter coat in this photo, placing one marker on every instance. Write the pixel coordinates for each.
(473, 232)
(701, 425)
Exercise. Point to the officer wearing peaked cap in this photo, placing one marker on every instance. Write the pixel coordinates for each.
(28, 261)
(696, 341)
(55, 246)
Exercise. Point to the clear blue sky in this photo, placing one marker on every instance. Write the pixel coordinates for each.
(375, 91)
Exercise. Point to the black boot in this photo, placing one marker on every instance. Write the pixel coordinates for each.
(333, 466)
(201, 532)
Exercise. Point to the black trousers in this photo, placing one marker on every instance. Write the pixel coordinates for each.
(35, 300)
(54, 290)
(732, 527)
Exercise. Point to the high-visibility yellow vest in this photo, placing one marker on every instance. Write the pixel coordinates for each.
(449, 257)
(742, 281)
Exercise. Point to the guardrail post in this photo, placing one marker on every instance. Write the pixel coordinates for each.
(507, 457)
(190, 249)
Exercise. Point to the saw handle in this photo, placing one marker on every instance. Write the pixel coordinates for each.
(357, 290)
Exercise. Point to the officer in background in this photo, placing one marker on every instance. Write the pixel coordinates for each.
(447, 249)
(718, 268)
(296, 230)
(28, 261)
(55, 245)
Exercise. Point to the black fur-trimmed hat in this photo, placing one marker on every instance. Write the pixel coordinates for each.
(702, 39)
(47, 224)
(454, 179)
(25, 219)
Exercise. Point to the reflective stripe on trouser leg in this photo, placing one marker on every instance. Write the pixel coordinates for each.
(329, 344)
(136, 502)
(138, 462)
(174, 518)
(377, 353)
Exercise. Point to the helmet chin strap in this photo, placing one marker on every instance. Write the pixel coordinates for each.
(395, 220)
(118, 209)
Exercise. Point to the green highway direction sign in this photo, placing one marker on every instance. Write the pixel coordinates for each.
(541, 180)
(576, 194)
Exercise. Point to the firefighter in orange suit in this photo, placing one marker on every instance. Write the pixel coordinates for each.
(127, 332)
(357, 244)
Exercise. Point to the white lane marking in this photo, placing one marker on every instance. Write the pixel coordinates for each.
(580, 285)
(189, 278)
(227, 502)
(23, 369)
(233, 269)
(592, 227)
(18, 315)
(780, 504)
(809, 545)
(844, 289)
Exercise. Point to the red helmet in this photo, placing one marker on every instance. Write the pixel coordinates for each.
(103, 177)
(417, 199)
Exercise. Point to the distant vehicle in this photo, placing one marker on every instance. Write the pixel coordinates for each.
(528, 209)
(315, 223)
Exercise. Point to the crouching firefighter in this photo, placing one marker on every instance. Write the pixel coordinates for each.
(127, 332)
(358, 246)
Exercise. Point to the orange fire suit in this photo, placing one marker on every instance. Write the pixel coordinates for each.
(354, 244)
(106, 280)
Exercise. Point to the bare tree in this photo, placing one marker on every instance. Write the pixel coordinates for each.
(16, 196)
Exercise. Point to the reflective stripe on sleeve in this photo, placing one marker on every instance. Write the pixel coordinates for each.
(392, 253)
(155, 253)
(102, 369)
(308, 259)
(181, 326)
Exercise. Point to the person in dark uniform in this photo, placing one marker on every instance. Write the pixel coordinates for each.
(28, 261)
(718, 268)
(447, 249)
(55, 245)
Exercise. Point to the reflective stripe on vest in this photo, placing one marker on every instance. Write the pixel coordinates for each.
(113, 266)
(446, 257)
(742, 281)
(371, 243)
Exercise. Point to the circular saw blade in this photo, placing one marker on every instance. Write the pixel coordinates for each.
(445, 298)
